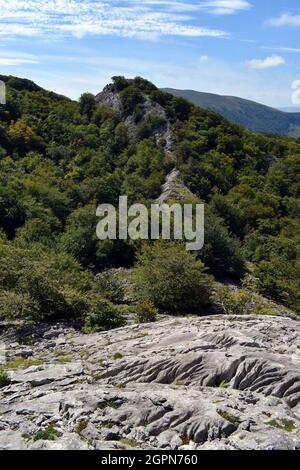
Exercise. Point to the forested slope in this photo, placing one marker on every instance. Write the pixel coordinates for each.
(60, 158)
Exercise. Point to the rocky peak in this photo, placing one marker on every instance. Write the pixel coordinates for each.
(142, 116)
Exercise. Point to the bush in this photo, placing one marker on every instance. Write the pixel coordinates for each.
(146, 312)
(234, 302)
(119, 83)
(108, 285)
(35, 285)
(130, 98)
(14, 305)
(243, 302)
(103, 315)
(4, 379)
(87, 105)
(149, 126)
(221, 252)
(48, 434)
(172, 278)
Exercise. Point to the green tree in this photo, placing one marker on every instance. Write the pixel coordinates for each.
(103, 315)
(172, 278)
(87, 105)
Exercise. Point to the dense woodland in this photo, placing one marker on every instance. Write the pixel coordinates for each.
(60, 158)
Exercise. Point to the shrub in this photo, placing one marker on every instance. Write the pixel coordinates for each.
(119, 83)
(243, 302)
(108, 285)
(36, 285)
(76, 301)
(87, 105)
(36, 230)
(146, 312)
(130, 98)
(4, 379)
(103, 315)
(19, 362)
(14, 305)
(117, 356)
(172, 278)
(48, 434)
(149, 126)
(234, 302)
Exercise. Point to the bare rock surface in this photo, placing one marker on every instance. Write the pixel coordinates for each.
(180, 383)
(149, 108)
(173, 188)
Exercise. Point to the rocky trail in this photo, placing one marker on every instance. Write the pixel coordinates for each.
(180, 383)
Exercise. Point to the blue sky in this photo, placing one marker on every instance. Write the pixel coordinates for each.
(234, 47)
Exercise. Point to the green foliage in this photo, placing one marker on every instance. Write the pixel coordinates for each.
(119, 83)
(222, 252)
(81, 426)
(103, 315)
(79, 238)
(4, 379)
(15, 305)
(59, 159)
(36, 285)
(87, 105)
(20, 362)
(146, 312)
(235, 302)
(48, 434)
(130, 98)
(107, 283)
(12, 211)
(149, 126)
(114, 403)
(117, 356)
(172, 278)
(243, 301)
(250, 182)
(285, 424)
(223, 384)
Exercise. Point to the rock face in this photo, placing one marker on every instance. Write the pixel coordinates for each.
(174, 189)
(148, 108)
(181, 383)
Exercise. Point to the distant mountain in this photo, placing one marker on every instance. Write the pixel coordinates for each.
(254, 116)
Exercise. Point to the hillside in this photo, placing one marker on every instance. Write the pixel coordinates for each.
(100, 340)
(254, 116)
(59, 159)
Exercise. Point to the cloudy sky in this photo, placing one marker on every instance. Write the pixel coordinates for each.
(247, 48)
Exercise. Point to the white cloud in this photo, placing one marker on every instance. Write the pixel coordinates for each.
(283, 49)
(11, 58)
(10, 29)
(12, 62)
(286, 19)
(269, 62)
(203, 58)
(227, 7)
(217, 7)
(147, 20)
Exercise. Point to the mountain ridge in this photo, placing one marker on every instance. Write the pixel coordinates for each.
(254, 116)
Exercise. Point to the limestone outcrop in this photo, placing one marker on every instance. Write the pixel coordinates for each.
(181, 383)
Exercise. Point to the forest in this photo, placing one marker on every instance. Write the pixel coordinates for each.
(60, 158)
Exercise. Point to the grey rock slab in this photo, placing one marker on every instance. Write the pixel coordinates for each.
(45, 374)
(12, 440)
(215, 382)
